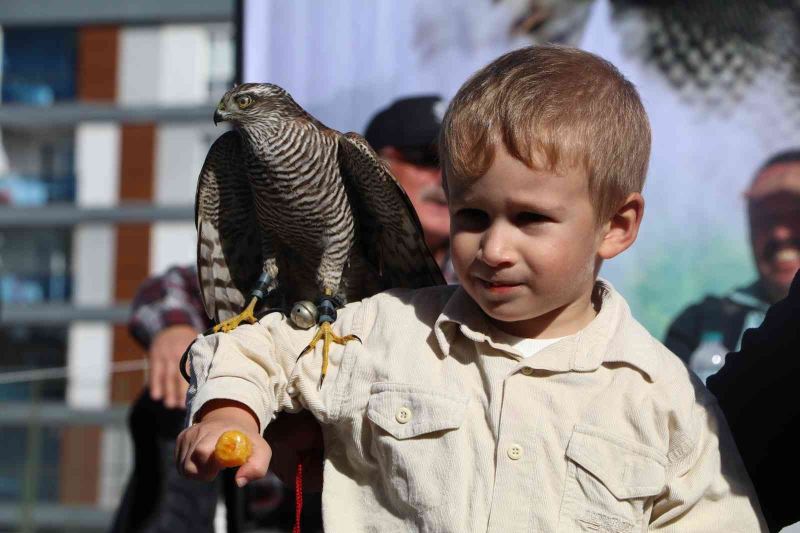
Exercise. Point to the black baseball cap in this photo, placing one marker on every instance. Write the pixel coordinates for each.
(411, 125)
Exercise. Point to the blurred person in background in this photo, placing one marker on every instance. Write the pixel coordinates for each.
(168, 315)
(704, 332)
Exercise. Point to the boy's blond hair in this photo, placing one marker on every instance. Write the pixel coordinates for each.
(554, 108)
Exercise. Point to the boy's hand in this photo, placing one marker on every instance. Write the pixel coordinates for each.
(194, 453)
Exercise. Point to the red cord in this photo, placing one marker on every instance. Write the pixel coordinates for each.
(298, 496)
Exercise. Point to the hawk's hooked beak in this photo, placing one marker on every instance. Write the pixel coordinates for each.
(219, 113)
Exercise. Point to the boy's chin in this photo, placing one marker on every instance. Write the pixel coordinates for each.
(526, 319)
(526, 325)
(507, 312)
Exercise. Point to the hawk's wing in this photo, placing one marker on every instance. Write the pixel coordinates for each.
(228, 237)
(389, 228)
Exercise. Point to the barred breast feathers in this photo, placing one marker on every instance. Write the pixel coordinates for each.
(297, 184)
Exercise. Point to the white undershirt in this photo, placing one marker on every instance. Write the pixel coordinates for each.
(525, 346)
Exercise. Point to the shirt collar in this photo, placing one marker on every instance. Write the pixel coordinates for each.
(612, 337)
(753, 296)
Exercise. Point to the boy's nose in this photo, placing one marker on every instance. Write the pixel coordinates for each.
(496, 248)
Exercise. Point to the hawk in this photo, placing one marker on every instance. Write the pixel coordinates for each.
(290, 210)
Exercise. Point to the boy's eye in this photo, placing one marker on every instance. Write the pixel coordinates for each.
(470, 219)
(528, 217)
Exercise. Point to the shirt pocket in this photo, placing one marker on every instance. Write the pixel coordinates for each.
(610, 482)
(415, 441)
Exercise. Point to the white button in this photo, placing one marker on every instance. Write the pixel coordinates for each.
(514, 452)
(527, 370)
(291, 390)
(403, 415)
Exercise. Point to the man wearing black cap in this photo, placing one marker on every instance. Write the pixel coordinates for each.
(405, 135)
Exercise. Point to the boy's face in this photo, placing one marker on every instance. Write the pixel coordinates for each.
(524, 245)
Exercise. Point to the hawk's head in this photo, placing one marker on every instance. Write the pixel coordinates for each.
(256, 102)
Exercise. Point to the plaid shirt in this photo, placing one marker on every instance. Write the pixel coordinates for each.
(170, 299)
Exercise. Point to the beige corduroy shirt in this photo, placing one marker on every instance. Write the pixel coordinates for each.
(430, 425)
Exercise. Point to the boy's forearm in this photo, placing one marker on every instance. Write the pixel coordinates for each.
(229, 411)
(253, 365)
(221, 369)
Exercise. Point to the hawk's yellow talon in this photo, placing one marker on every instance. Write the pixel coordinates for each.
(327, 336)
(248, 315)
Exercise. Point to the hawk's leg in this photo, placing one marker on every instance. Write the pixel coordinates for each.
(327, 315)
(262, 288)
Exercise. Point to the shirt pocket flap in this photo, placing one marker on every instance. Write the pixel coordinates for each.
(626, 468)
(406, 411)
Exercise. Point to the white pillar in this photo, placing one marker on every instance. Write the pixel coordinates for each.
(184, 78)
(97, 148)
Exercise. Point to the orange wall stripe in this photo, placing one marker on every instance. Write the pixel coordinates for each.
(137, 174)
(98, 47)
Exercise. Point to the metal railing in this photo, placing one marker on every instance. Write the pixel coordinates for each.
(53, 216)
(56, 314)
(66, 114)
(74, 12)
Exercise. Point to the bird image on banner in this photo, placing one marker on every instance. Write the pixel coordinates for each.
(289, 211)
(712, 50)
(720, 44)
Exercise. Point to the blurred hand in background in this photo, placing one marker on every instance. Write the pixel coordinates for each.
(165, 380)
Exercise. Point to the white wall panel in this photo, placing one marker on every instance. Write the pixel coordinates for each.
(184, 65)
(89, 364)
(97, 154)
(172, 244)
(180, 152)
(139, 65)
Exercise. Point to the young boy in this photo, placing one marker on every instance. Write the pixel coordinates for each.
(528, 398)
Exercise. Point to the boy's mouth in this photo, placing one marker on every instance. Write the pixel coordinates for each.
(498, 286)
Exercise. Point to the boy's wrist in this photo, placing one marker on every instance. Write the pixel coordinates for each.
(229, 411)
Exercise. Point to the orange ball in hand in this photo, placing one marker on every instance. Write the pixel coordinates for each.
(232, 449)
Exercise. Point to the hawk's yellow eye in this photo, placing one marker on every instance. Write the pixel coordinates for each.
(244, 101)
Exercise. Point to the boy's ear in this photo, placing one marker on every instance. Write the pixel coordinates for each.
(623, 227)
